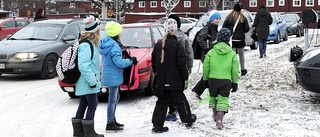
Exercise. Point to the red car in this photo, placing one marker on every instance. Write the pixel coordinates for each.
(11, 26)
(139, 38)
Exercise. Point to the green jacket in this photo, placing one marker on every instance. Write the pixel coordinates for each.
(221, 62)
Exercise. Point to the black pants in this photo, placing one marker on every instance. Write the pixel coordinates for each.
(181, 102)
(200, 87)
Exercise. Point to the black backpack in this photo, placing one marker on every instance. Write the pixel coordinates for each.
(67, 65)
(197, 50)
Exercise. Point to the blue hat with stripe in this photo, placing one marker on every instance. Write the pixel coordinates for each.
(214, 14)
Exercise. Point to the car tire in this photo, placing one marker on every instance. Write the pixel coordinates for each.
(254, 45)
(149, 89)
(285, 37)
(49, 67)
(299, 33)
(278, 39)
(72, 94)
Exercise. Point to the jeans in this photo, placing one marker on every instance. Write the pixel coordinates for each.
(113, 99)
(262, 46)
(87, 102)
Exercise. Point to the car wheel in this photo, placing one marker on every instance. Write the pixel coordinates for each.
(72, 94)
(49, 67)
(278, 39)
(299, 33)
(254, 45)
(149, 90)
(285, 37)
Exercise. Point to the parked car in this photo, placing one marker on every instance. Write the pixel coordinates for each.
(278, 29)
(186, 24)
(11, 25)
(294, 24)
(148, 21)
(139, 39)
(193, 19)
(35, 48)
(204, 19)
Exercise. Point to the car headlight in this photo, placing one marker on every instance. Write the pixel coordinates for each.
(24, 56)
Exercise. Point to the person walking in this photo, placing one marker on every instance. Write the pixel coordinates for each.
(205, 38)
(184, 41)
(236, 19)
(169, 64)
(261, 23)
(112, 70)
(88, 84)
(39, 15)
(220, 72)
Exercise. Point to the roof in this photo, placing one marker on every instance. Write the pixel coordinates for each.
(140, 25)
(59, 21)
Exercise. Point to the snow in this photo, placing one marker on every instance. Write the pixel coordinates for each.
(267, 103)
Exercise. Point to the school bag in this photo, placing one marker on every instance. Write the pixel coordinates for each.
(130, 74)
(67, 65)
(197, 50)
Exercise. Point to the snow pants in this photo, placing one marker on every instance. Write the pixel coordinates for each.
(219, 94)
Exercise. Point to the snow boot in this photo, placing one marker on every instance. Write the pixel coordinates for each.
(219, 123)
(77, 127)
(159, 129)
(117, 124)
(244, 72)
(171, 117)
(214, 114)
(112, 127)
(193, 119)
(88, 128)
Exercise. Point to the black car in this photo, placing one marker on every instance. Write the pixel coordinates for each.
(294, 24)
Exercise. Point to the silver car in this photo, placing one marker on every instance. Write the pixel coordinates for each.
(36, 48)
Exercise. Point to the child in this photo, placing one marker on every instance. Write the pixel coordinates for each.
(220, 72)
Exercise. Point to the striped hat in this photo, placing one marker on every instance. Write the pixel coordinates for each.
(91, 24)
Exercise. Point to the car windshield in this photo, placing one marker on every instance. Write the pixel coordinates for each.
(289, 18)
(38, 32)
(204, 19)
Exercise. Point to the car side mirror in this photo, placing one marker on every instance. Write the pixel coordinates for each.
(1, 27)
(280, 21)
(69, 38)
(8, 36)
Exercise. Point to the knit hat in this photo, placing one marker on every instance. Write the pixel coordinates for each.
(170, 25)
(175, 17)
(113, 28)
(224, 35)
(214, 14)
(237, 6)
(91, 24)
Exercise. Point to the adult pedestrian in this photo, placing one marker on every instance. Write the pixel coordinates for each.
(113, 64)
(88, 84)
(261, 23)
(220, 72)
(39, 15)
(236, 19)
(205, 38)
(169, 64)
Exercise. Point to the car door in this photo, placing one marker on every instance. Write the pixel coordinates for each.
(281, 24)
(6, 28)
(185, 25)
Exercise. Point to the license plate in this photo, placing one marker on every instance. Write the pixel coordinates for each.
(2, 66)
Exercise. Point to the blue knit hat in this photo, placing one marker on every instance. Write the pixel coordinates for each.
(224, 35)
(214, 14)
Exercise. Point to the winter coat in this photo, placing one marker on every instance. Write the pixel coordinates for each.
(112, 62)
(262, 21)
(241, 29)
(221, 62)
(184, 40)
(89, 69)
(203, 34)
(175, 61)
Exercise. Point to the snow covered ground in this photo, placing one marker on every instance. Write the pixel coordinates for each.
(268, 103)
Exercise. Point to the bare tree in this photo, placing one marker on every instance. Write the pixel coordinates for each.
(212, 4)
(169, 5)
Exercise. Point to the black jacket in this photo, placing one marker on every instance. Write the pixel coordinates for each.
(174, 60)
(205, 35)
(241, 29)
(262, 21)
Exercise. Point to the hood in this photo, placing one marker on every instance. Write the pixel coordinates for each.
(106, 45)
(23, 45)
(262, 12)
(221, 48)
(180, 35)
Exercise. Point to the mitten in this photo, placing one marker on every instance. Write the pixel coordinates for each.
(134, 60)
(234, 87)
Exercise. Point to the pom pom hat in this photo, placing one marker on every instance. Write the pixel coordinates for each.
(170, 25)
(175, 17)
(237, 6)
(91, 24)
(113, 28)
(214, 14)
(224, 35)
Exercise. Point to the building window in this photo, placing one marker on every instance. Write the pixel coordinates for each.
(318, 2)
(309, 3)
(153, 4)
(187, 4)
(34, 5)
(162, 4)
(296, 3)
(202, 4)
(142, 4)
(72, 5)
(281, 2)
(270, 3)
(253, 3)
(92, 5)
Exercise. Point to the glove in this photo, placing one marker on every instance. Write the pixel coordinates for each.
(186, 83)
(234, 87)
(134, 60)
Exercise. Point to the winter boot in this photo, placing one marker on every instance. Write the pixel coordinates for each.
(88, 128)
(219, 119)
(171, 117)
(159, 129)
(193, 119)
(214, 114)
(77, 127)
(112, 127)
(117, 124)
(244, 72)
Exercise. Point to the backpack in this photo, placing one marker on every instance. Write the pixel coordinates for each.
(197, 50)
(67, 65)
(130, 75)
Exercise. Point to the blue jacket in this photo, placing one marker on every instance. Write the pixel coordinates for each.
(112, 62)
(89, 69)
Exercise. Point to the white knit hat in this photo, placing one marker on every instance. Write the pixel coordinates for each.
(170, 25)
